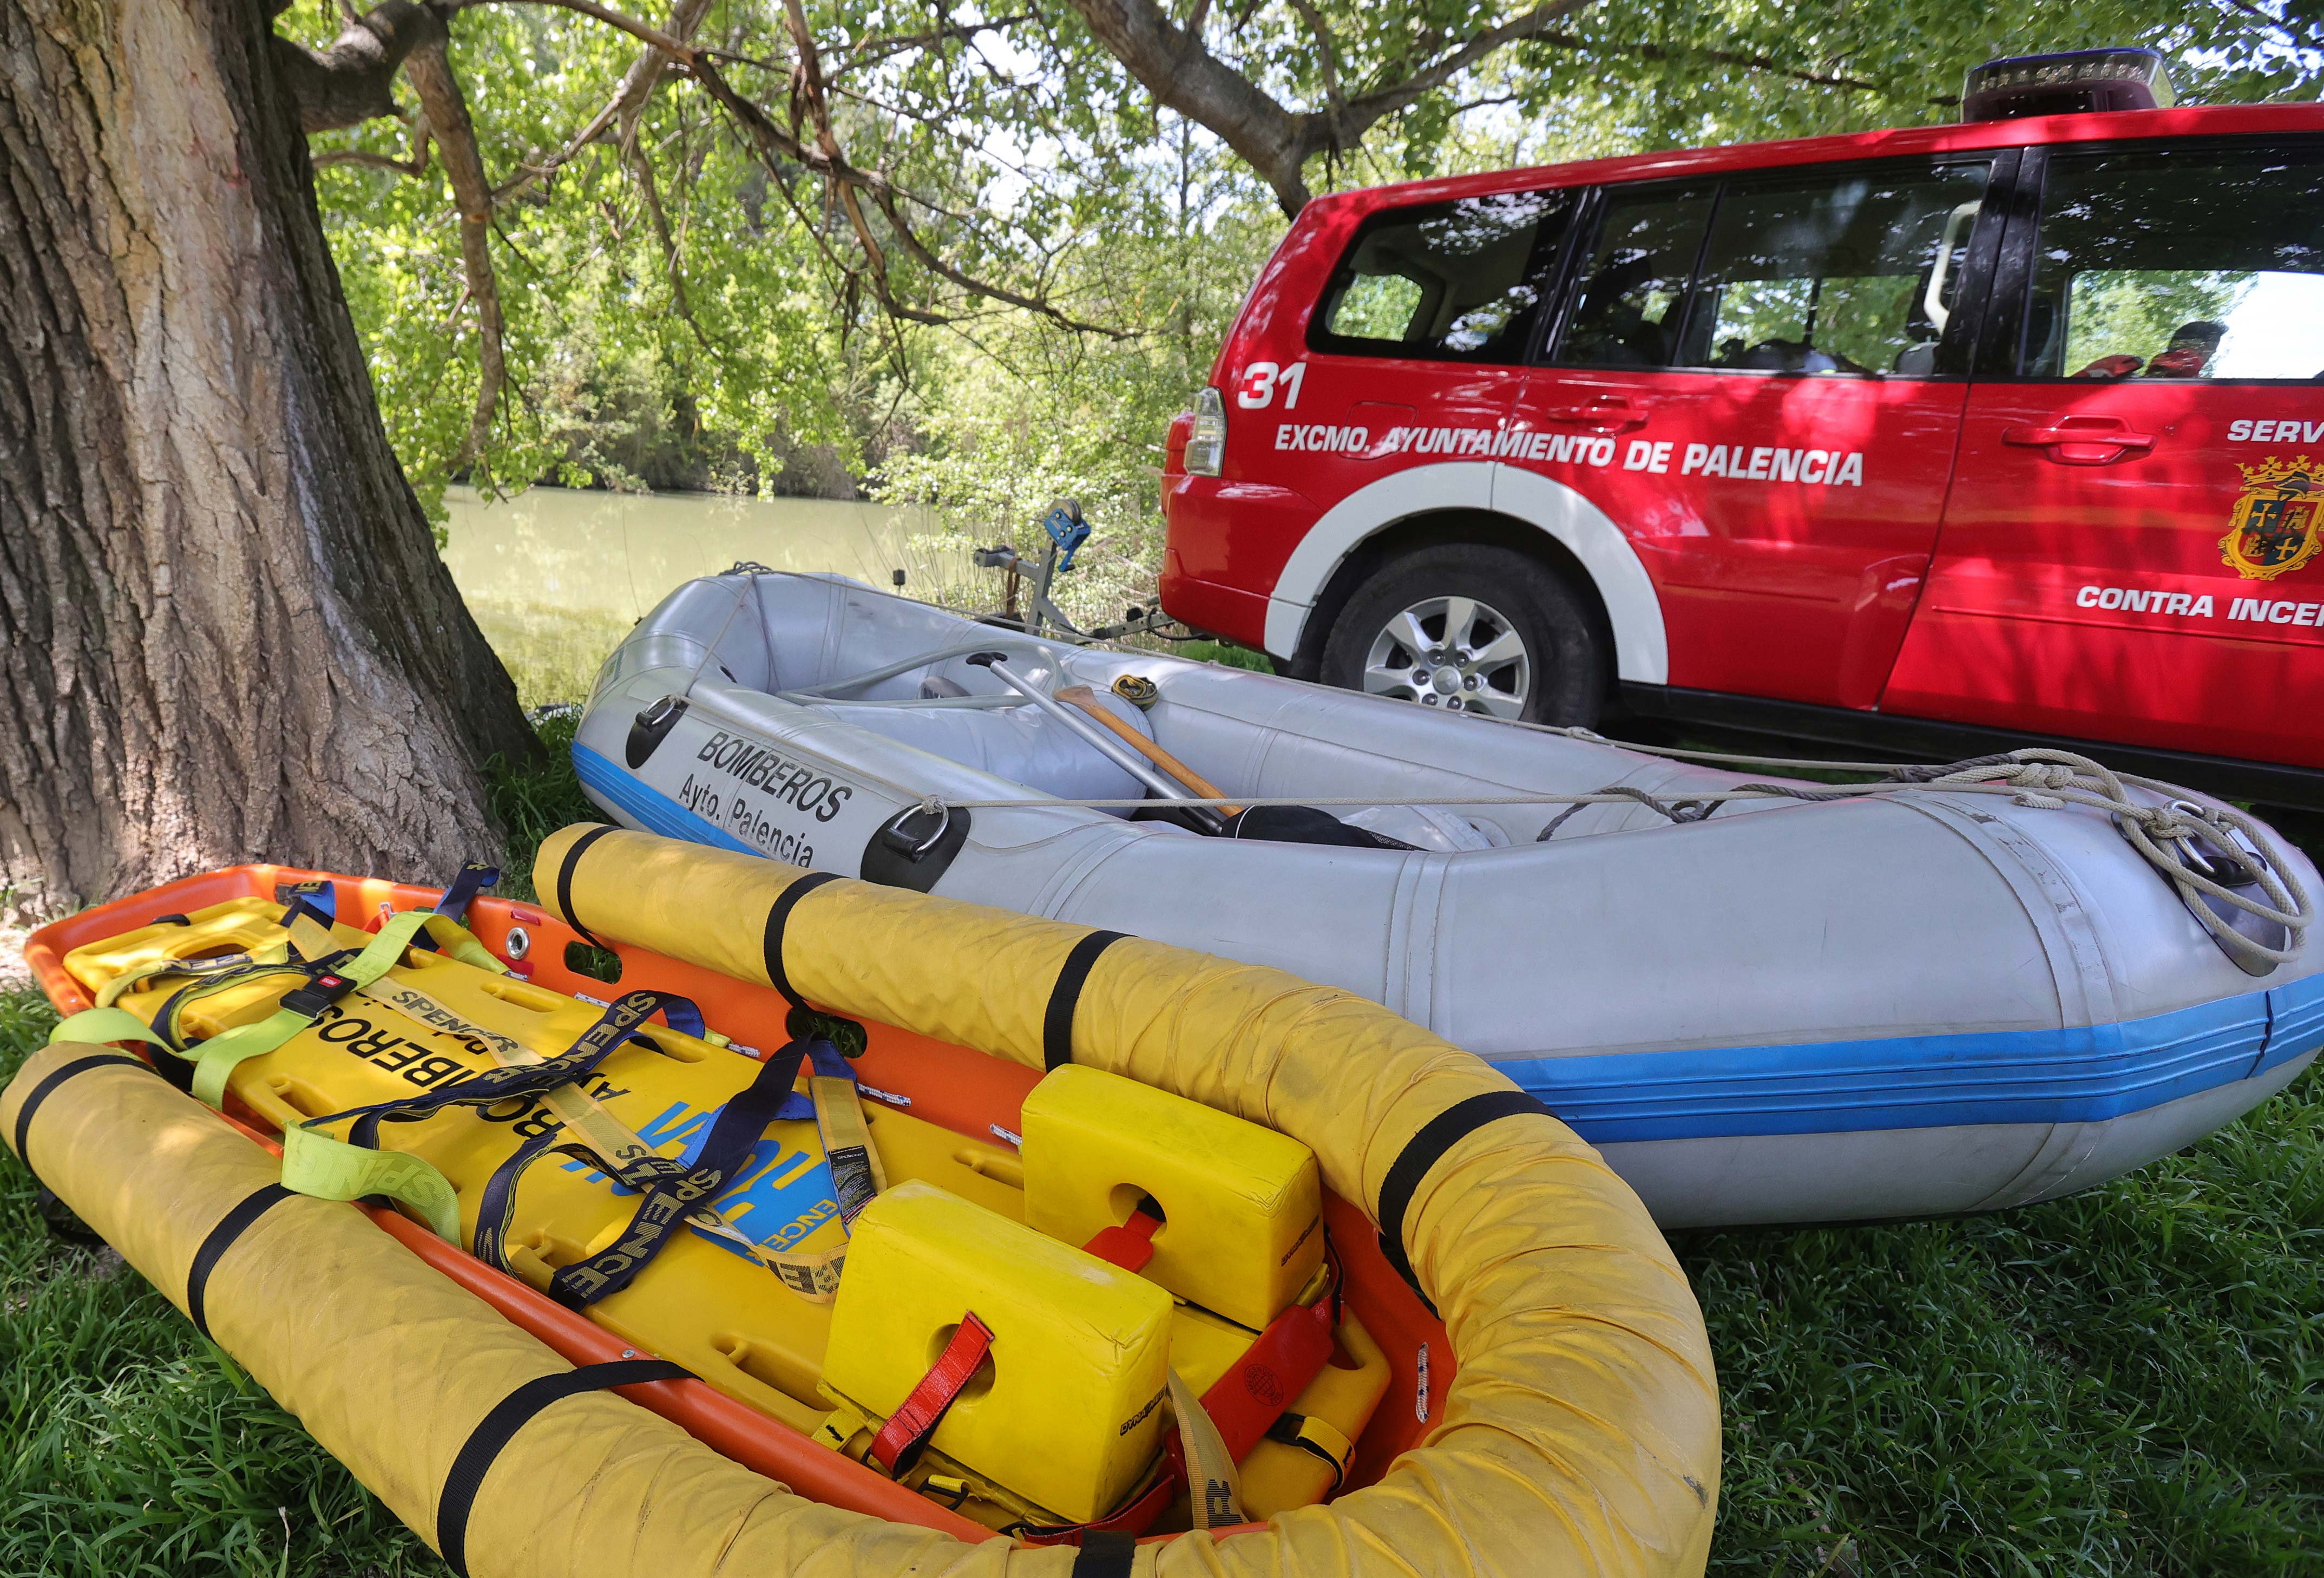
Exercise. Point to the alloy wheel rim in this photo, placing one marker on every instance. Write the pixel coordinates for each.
(1456, 654)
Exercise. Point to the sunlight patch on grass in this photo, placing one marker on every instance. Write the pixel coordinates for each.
(552, 655)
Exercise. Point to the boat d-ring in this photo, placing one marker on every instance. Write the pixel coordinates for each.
(2220, 851)
(650, 728)
(898, 856)
(898, 837)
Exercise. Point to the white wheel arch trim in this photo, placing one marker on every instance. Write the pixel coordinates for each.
(1641, 650)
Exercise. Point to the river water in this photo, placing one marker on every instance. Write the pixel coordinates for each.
(619, 554)
(556, 575)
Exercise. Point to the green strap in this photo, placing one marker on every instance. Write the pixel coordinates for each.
(107, 1024)
(216, 1059)
(313, 1163)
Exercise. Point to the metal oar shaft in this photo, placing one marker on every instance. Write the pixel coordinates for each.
(1097, 739)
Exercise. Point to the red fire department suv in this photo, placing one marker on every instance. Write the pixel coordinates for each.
(1928, 439)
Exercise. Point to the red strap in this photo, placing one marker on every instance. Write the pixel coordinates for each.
(1128, 1246)
(909, 1428)
(1252, 1394)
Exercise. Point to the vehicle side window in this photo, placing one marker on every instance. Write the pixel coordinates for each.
(1450, 281)
(1632, 299)
(2179, 263)
(1850, 271)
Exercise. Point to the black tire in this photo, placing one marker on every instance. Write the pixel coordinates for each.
(1568, 666)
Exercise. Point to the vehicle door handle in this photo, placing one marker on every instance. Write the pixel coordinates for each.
(2082, 440)
(1608, 414)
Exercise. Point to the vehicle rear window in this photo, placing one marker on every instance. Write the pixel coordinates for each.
(1632, 300)
(2179, 263)
(1455, 281)
(1842, 272)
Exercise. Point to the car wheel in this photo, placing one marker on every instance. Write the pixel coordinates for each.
(1469, 628)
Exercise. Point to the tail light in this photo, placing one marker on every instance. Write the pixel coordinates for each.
(1206, 447)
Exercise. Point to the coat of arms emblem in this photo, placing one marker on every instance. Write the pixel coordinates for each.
(2278, 524)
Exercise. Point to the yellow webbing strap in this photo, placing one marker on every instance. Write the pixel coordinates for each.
(1318, 1437)
(107, 1024)
(313, 1163)
(856, 1175)
(1212, 1485)
(312, 939)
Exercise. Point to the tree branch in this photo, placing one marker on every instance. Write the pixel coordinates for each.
(642, 167)
(352, 80)
(1364, 111)
(1767, 63)
(1173, 65)
(1327, 51)
(430, 67)
(844, 183)
(872, 50)
(415, 165)
(627, 102)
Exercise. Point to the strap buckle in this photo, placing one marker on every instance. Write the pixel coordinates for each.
(318, 993)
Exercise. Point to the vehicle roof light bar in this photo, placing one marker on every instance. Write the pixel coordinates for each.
(2067, 83)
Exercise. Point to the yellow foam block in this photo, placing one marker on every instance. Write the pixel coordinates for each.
(1067, 1413)
(1242, 1205)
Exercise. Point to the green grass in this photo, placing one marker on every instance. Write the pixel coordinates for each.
(533, 802)
(1226, 652)
(2128, 1382)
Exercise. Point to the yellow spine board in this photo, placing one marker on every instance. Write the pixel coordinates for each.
(722, 1315)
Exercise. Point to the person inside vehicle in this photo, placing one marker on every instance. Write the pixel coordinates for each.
(2193, 347)
(2191, 350)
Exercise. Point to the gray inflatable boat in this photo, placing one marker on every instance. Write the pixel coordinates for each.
(1904, 1000)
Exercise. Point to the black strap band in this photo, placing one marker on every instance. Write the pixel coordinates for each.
(1066, 996)
(1105, 1554)
(778, 919)
(1286, 1429)
(499, 1427)
(230, 1227)
(1436, 1137)
(565, 883)
(56, 1077)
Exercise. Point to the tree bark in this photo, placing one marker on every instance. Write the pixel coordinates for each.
(229, 635)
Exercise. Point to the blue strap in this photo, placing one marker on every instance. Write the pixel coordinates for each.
(318, 899)
(473, 878)
(740, 1125)
(621, 1021)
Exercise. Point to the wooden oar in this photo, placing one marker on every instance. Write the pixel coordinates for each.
(1083, 697)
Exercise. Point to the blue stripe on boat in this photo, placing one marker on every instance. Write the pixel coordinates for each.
(649, 809)
(2079, 1075)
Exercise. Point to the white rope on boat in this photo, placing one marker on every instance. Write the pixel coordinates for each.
(2165, 836)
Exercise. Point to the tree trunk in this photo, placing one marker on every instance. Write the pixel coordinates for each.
(229, 635)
